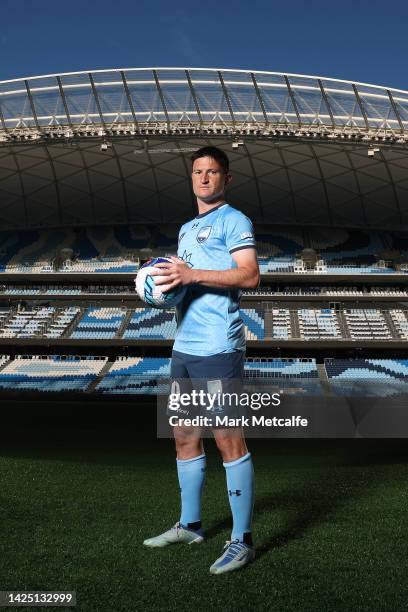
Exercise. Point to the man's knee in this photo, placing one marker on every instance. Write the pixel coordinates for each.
(230, 443)
(188, 442)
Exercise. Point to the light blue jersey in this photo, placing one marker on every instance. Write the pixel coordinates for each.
(208, 320)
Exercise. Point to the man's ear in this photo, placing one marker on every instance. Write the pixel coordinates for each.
(228, 178)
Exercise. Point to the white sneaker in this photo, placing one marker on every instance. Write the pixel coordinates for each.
(176, 535)
(236, 555)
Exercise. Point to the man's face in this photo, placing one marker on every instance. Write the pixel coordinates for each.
(209, 179)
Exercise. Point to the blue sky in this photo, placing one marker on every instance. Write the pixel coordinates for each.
(363, 40)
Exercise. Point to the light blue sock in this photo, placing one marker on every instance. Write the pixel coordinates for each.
(240, 485)
(191, 475)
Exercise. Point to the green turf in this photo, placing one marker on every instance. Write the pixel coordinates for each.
(330, 526)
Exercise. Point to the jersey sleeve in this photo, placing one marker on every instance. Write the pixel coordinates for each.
(239, 233)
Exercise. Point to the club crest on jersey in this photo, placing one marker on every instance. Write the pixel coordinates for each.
(203, 233)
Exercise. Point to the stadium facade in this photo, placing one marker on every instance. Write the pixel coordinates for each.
(112, 147)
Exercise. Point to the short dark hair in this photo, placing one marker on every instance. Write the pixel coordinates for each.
(215, 153)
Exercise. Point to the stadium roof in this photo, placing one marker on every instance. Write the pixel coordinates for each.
(112, 146)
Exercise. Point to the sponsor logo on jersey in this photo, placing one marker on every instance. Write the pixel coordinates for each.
(186, 257)
(181, 237)
(246, 235)
(204, 233)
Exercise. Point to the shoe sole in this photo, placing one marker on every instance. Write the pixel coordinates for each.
(164, 544)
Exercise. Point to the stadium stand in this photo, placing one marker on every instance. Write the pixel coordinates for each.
(311, 193)
(378, 377)
(274, 243)
(253, 319)
(51, 372)
(400, 320)
(280, 368)
(65, 290)
(281, 327)
(136, 375)
(366, 324)
(347, 246)
(152, 324)
(276, 265)
(150, 375)
(298, 375)
(3, 360)
(261, 323)
(99, 323)
(4, 315)
(107, 250)
(318, 324)
(286, 291)
(328, 291)
(48, 322)
(62, 321)
(100, 266)
(352, 269)
(120, 249)
(27, 323)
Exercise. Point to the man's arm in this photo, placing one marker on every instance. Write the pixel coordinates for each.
(245, 276)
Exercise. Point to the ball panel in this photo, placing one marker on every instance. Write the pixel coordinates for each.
(154, 295)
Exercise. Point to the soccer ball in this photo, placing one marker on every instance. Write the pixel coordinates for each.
(152, 295)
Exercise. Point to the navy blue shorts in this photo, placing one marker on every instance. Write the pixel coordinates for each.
(216, 380)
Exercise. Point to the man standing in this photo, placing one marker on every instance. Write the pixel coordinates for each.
(216, 258)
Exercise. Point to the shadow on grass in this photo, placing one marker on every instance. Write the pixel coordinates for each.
(311, 504)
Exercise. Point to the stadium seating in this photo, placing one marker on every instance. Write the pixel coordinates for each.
(276, 265)
(346, 246)
(294, 375)
(120, 249)
(106, 323)
(151, 324)
(99, 323)
(328, 291)
(254, 323)
(51, 373)
(138, 375)
(287, 291)
(350, 269)
(3, 360)
(367, 324)
(4, 315)
(62, 321)
(150, 375)
(100, 266)
(377, 377)
(400, 320)
(106, 249)
(64, 289)
(27, 323)
(281, 327)
(318, 324)
(45, 322)
(280, 368)
(278, 243)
